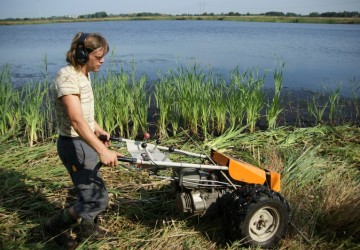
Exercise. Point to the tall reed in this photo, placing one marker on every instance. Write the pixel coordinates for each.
(274, 109)
(10, 108)
(183, 86)
(235, 99)
(190, 86)
(355, 90)
(121, 102)
(193, 97)
(208, 102)
(218, 107)
(254, 98)
(165, 103)
(334, 108)
(141, 103)
(317, 109)
(32, 101)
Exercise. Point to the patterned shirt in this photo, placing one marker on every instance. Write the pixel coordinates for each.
(69, 81)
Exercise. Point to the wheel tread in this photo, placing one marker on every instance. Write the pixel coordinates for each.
(239, 204)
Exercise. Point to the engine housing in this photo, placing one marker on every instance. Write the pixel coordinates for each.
(196, 193)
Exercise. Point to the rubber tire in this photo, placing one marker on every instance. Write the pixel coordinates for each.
(241, 213)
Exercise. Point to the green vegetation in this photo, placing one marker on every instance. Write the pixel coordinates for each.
(186, 98)
(328, 17)
(317, 154)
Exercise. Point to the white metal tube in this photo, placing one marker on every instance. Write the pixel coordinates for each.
(180, 165)
(183, 152)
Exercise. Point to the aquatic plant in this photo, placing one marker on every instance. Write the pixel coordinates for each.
(274, 108)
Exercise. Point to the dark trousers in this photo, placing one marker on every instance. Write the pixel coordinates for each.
(80, 159)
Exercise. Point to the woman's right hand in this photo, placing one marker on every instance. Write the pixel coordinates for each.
(109, 157)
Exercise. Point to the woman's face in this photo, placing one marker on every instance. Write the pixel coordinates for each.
(96, 59)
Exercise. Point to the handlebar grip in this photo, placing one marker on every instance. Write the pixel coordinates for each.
(93, 174)
(103, 138)
(112, 138)
(127, 159)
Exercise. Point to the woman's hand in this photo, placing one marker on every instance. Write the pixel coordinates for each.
(109, 157)
(103, 134)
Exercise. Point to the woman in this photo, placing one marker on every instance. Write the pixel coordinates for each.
(78, 145)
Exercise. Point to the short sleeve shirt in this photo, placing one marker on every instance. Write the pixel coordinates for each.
(69, 81)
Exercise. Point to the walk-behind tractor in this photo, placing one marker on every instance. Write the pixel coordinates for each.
(246, 197)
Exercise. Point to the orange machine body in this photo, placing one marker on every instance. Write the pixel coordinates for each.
(245, 172)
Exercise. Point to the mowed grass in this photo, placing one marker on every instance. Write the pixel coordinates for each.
(320, 179)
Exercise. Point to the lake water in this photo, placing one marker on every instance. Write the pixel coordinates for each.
(315, 55)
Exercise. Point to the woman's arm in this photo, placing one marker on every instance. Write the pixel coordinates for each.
(73, 108)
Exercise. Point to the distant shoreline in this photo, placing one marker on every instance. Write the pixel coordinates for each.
(251, 18)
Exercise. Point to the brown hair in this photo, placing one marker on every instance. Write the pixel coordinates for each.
(92, 42)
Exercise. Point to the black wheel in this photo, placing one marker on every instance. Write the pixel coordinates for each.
(256, 216)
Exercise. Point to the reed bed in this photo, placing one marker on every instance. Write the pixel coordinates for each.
(207, 104)
(122, 103)
(185, 98)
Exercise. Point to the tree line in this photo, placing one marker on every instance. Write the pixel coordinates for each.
(103, 14)
(335, 14)
(270, 13)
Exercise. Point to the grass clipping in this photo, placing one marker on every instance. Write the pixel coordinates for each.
(320, 179)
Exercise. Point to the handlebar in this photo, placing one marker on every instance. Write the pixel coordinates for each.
(169, 149)
(93, 174)
(104, 138)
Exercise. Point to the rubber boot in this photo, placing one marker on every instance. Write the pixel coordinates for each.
(58, 227)
(89, 229)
